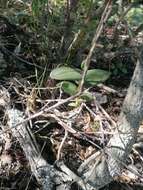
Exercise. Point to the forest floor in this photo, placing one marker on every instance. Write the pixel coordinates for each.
(93, 121)
(91, 125)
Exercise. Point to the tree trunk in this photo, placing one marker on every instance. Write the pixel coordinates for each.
(114, 155)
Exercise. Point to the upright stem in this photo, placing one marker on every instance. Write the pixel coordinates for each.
(86, 62)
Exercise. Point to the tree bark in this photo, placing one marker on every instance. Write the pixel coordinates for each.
(120, 145)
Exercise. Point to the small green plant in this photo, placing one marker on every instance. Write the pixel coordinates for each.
(71, 77)
(135, 15)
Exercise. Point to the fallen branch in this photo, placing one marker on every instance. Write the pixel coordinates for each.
(39, 167)
(45, 173)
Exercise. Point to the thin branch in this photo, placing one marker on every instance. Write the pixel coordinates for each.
(86, 62)
(61, 145)
(80, 35)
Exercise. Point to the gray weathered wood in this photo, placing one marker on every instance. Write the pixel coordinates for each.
(115, 154)
(39, 167)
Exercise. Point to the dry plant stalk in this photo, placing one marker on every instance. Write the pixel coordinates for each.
(98, 32)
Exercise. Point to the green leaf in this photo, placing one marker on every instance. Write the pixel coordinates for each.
(97, 75)
(37, 5)
(87, 96)
(134, 16)
(69, 87)
(65, 73)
